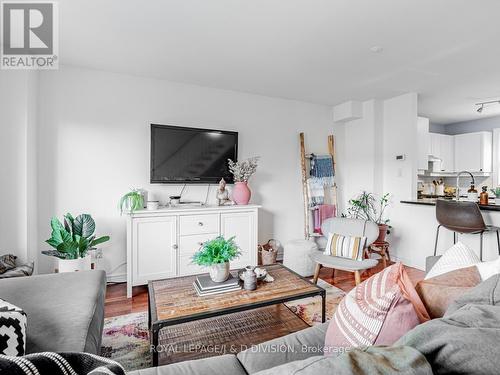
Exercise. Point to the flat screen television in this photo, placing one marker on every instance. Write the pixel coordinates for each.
(191, 155)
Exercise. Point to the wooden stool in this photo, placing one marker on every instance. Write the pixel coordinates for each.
(382, 249)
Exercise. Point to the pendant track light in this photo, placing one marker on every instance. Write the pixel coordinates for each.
(483, 104)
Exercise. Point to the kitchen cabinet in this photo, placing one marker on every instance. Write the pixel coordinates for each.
(442, 146)
(473, 152)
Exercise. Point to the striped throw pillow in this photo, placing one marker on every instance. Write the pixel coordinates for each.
(345, 246)
(456, 257)
(377, 312)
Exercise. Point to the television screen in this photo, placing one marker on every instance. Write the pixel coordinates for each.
(180, 155)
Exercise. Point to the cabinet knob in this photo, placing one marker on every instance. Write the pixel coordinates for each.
(200, 243)
(200, 223)
(175, 247)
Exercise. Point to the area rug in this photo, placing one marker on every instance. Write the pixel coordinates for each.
(126, 338)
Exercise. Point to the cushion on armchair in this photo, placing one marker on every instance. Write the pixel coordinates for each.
(377, 312)
(350, 247)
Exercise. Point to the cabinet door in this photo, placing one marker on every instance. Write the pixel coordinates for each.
(154, 248)
(243, 226)
(435, 145)
(468, 152)
(447, 153)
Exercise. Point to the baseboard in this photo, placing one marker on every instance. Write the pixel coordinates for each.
(117, 278)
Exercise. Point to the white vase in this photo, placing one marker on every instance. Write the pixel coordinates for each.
(73, 265)
(219, 272)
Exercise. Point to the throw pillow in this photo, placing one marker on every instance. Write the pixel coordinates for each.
(7, 262)
(456, 257)
(23, 270)
(439, 292)
(488, 269)
(12, 330)
(345, 246)
(377, 312)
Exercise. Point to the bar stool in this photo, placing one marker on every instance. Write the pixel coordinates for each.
(462, 217)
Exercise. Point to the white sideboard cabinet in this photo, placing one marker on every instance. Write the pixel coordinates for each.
(161, 243)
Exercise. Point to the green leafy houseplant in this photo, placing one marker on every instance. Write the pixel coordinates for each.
(218, 250)
(365, 206)
(496, 192)
(132, 201)
(74, 238)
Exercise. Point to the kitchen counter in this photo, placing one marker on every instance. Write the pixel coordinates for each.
(432, 202)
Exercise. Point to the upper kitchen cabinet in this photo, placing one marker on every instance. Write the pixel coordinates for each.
(473, 152)
(442, 146)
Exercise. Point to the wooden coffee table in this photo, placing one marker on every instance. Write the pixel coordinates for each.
(174, 301)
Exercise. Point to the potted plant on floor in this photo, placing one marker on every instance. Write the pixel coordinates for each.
(216, 254)
(242, 171)
(72, 242)
(366, 206)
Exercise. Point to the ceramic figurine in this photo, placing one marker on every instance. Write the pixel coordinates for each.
(223, 194)
(249, 279)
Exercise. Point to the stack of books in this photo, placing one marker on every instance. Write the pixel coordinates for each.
(204, 285)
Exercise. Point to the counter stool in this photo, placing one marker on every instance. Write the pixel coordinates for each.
(382, 249)
(463, 217)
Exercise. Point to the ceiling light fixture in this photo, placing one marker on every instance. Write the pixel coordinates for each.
(376, 49)
(483, 104)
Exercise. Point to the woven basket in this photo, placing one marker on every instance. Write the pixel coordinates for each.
(268, 252)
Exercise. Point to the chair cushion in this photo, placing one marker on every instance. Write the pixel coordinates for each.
(219, 365)
(377, 312)
(349, 247)
(439, 292)
(297, 346)
(343, 263)
(351, 227)
(12, 330)
(456, 257)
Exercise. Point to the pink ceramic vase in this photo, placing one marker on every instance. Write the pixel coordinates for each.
(241, 193)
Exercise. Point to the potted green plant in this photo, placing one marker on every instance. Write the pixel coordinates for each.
(496, 193)
(72, 242)
(216, 255)
(367, 207)
(132, 201)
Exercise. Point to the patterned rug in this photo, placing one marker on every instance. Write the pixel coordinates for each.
(126, 338)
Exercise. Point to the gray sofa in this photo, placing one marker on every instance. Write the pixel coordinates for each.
(464, 341)
(65, 311)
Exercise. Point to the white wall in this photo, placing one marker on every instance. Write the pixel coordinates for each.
(362, 152)
(17, 122)
(93, 140)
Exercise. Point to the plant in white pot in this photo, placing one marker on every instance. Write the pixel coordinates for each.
(72, 242)
(496, 193)
(216, 255)
(367, 207)
(132, 201)
(242, 171)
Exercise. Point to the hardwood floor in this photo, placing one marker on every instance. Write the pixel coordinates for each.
(117, 302)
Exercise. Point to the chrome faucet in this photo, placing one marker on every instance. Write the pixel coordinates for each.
(457, 193)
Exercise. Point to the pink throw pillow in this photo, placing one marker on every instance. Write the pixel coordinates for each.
(377, 312)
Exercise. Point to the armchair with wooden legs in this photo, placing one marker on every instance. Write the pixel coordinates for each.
(346, 227)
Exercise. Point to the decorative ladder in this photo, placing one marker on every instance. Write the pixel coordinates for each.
(305, 159)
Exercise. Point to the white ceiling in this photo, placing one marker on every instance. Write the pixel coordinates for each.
(312, 50)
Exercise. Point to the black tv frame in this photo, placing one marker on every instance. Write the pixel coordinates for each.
(214, 180)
